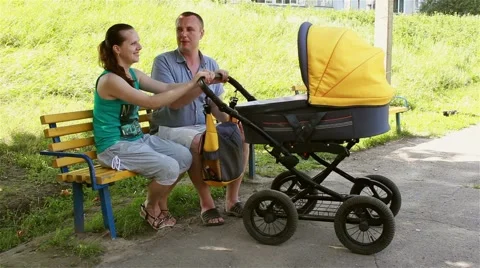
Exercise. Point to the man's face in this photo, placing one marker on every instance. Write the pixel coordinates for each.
(189, 33)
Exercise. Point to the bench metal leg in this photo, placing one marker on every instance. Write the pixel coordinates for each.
(251, 161)
(107, 211)
(397, 119)
(78, 214)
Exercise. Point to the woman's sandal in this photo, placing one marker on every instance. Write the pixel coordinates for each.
(154, 222)
(167, 220)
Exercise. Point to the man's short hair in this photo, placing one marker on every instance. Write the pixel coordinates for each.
(188, 14)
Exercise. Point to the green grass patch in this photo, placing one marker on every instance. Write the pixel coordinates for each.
(64, 240)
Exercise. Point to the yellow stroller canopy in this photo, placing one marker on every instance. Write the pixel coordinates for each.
(340, 69)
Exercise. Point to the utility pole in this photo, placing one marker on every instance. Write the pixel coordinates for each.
(383, 31)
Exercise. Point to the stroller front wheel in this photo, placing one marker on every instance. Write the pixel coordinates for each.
(364, 225)
(270, 217)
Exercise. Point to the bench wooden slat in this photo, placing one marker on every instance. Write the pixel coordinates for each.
(397, 109)
(73, 129)
(72, 144)
(71, 116)
(79, 143)
(67, 130)
(114, 175)
(67, 161)
(143, 117)
(103, 175)
(64, 117)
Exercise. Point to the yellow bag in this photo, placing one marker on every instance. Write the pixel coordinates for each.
(222, 152)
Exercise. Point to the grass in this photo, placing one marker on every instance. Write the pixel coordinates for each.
(49, 66)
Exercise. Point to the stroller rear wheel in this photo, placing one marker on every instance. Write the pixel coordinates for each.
(288, 183)
(277, 220)
(375, 187)
(364, 225)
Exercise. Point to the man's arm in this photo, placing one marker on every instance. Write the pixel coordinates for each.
(162, 72)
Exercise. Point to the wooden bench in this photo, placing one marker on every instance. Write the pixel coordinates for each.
(397, 110)
(73, 144)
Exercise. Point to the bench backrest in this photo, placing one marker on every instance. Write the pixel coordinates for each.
(72, 132)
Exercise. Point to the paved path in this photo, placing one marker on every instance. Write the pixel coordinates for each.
(438, 224)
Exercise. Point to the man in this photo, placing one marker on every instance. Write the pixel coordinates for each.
(184, 120)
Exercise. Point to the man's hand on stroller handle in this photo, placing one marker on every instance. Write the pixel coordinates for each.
(205, 75)
(221, 76)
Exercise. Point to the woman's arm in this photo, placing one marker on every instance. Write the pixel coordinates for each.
(220, 116)
(111, 86)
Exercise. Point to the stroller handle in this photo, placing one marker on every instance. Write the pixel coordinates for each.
(232, 82)
(223, 107)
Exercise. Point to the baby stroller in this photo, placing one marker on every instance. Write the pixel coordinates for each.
(347, 99)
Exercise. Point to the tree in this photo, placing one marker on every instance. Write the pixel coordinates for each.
(451, 7)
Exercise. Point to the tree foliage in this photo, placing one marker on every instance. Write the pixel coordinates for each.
(451, 7)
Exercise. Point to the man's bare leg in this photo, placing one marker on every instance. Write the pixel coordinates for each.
(195, 173)
(233, 189)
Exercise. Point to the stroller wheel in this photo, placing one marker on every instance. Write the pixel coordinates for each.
(288, 183)
(364, 225)
(277, 221)
(381, 188)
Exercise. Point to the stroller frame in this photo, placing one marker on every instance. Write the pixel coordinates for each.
(299, 200)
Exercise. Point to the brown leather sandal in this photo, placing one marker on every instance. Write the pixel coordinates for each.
(167, 220)
(154, 222)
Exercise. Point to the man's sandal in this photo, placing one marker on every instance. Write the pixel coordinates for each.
(236, 210)
(209, 215)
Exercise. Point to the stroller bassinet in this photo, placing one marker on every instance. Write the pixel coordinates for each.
(347, 93)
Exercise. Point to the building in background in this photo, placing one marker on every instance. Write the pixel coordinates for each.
(400, 6)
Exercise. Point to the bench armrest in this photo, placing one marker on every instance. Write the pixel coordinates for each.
(403, 99)
(91, 167)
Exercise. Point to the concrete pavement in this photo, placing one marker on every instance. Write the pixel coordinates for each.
(437, 226)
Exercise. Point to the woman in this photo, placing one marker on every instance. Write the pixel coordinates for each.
(119, 139)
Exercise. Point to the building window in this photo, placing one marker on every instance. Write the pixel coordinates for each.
(323, 3)
(398, 6)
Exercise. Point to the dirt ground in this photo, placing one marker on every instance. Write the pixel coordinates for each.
(18, 197)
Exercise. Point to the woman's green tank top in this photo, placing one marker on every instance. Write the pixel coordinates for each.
(114, 120)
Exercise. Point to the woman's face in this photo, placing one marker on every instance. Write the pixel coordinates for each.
(129, 51)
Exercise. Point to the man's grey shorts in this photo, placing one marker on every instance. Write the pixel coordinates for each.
(150, 156)
(181, 135)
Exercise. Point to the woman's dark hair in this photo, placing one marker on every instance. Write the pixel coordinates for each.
(106, 56)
